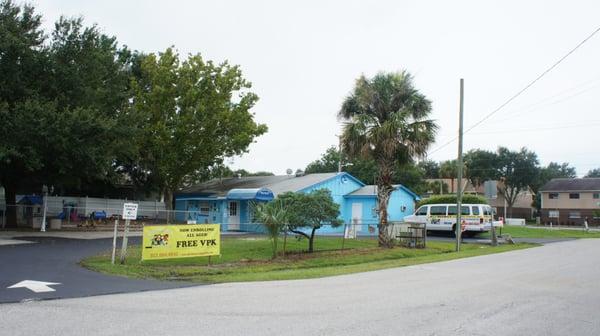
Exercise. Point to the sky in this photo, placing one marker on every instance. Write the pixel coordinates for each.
(303, 58)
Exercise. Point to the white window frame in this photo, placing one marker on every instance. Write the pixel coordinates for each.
(204, 208)
(233, 210)
(553, 214)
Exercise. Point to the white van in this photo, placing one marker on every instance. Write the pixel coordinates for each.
(442, 217)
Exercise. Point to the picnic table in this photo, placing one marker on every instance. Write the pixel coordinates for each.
(413, 235)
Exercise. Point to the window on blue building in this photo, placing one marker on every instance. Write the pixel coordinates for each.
(204, 208)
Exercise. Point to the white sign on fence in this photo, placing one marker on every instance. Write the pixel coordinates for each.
(350, 231)
(130, 211)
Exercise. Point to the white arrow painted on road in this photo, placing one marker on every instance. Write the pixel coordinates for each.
(36, 286)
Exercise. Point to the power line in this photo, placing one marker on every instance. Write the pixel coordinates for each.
(544, 73)
(535, 129)
(587, 124)
(541, 104)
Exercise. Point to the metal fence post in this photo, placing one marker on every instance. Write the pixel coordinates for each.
(114, 249)
(124, 245)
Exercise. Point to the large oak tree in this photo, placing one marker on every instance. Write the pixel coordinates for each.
(190, 115)
(60, 99)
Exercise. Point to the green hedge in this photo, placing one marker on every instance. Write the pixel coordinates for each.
(440, 199)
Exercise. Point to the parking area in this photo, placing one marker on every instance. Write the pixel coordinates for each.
(41, 268)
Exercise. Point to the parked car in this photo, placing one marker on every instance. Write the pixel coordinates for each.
(442, 217)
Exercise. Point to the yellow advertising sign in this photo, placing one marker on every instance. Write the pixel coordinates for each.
(181, 241)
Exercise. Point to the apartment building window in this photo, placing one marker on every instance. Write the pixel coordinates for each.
(553, 195)
(574, 214)
(553, 213)
(574, 195)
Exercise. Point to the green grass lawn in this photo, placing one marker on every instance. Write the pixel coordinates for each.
(248, 259)
(526, 232)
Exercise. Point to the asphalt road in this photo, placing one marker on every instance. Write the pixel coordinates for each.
(549, 290)
(56, 260)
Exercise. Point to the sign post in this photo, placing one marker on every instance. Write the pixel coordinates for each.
(491, 192)
(129, 212)
(114, 249)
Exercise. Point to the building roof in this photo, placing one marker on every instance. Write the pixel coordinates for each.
(31, 200)
(277, 184)
(371, 190)
(572, 184)
(259, 194)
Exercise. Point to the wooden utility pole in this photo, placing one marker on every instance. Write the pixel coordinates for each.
(460, 168)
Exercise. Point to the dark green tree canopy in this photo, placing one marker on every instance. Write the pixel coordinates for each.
(79, 112)
(90, 69)
(59, 103)
(518, 170)
(430, 169)
(553, 170)
(23, 55)
(326, 164)
(481, 165)
(363, 169)
(593, 173)
(310, 211)
(190, 116)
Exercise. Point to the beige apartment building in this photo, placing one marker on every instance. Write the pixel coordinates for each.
(569, 201)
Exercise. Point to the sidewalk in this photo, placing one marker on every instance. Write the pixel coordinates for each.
(7, 236)
(558, 227)
(65, 234)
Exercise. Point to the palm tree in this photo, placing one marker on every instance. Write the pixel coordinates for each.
(274, 217)
(449, 170)
(386, 119)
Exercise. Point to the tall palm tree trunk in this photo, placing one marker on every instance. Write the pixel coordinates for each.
(384, 191)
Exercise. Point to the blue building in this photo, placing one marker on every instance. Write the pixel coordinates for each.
(228, 201)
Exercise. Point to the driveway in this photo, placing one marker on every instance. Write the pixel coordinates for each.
(549, 290)
(55, 260)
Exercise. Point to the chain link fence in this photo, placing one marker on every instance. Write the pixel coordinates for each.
(31, 216)
(70, 218)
